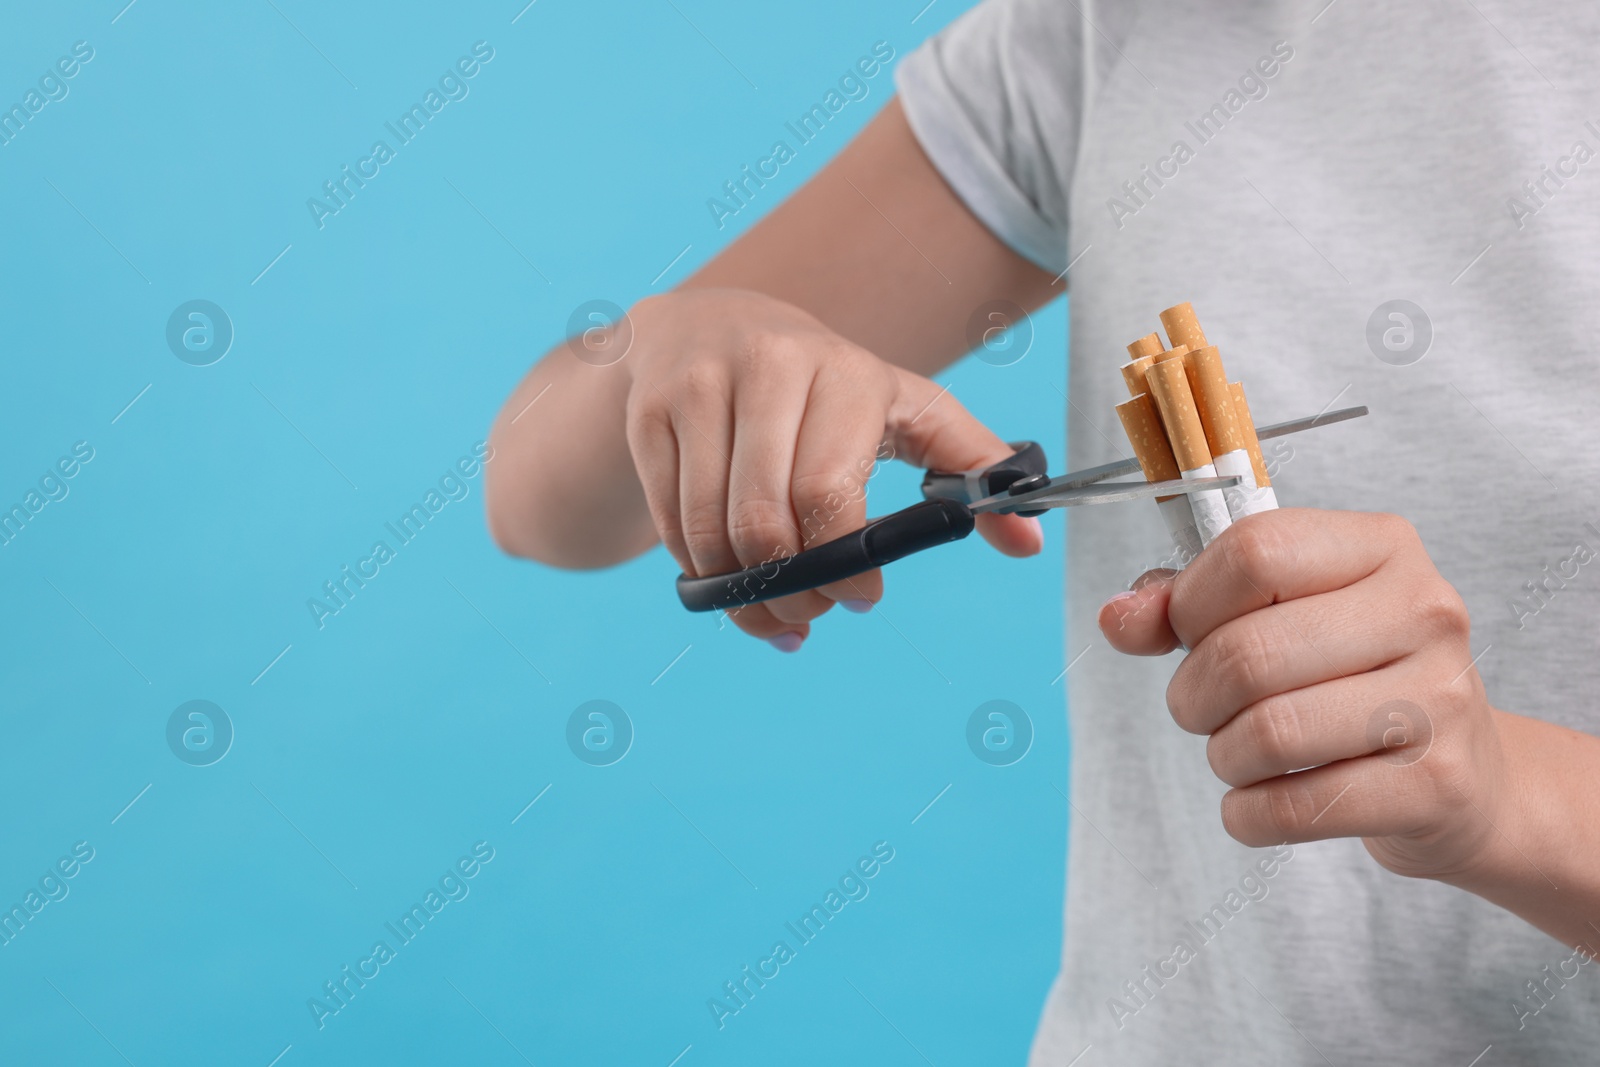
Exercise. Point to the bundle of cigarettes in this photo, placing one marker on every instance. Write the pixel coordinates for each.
(1186, 420)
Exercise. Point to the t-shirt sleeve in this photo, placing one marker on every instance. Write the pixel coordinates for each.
(995, 100)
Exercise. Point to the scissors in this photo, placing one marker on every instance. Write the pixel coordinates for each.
(952, 501)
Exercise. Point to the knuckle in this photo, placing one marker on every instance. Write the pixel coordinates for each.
(1237, 658)
(1223, 756)
(1439, 609)
(1179, 704)
(763, 351)
(755, 351)
(1258, 815)
(759, 528)
(1220, 756)
(1398, 529)
(855, 368)
(700, 385)
(1274, 732)
(810, 488)
(705, 530)
(1238, 819)
(1289, 808)
(1183, 604)
(1448, 768)
(820, 498)
(1183, 696)
(1255, 551)
(669, 524)
(645, 413)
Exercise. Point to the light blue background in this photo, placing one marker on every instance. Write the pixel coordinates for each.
(375, 751)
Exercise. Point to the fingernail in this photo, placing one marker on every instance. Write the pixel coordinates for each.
(1123, 604)
(789, 642)
(1149, 576)
(1038, 527)
(860, 607)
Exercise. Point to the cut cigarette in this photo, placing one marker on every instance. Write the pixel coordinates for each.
(1148, 345)
(1182, 327)
(1133, 373)
(1263, 496)
(1143, 426)
(1169, 387)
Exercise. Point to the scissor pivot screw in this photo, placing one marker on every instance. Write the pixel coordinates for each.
(1027, 485)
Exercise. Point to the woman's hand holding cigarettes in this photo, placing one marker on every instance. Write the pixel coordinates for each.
(1330, 666)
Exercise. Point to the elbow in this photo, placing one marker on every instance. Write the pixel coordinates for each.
(505, 534)
(515, 528)
(518, 529)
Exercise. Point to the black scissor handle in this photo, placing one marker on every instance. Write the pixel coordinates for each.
(1027, 459)
(881, 541)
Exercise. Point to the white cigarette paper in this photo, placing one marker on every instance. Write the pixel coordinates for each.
(1246, 498)
(1209, 506)
(1179, 517)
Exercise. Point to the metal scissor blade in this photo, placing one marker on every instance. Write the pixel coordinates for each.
(1116, 468)
(1310, 422)
(1050, 496)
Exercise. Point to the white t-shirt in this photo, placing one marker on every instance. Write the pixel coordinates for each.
(1291, 171)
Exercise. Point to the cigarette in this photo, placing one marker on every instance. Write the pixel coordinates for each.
(1182, 327)
(1264, 492)
(1148, 345)
(1230, 453)
(1143, 426)
(1208, 383)
(1169, 387)
(1133, 373)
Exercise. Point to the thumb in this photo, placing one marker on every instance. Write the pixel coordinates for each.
(1135, 622)
(927, 427)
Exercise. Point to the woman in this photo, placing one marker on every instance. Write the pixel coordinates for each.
(1340, 192)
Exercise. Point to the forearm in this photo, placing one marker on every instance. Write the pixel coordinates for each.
(880, 249)
(562, 488)
(1542, 863)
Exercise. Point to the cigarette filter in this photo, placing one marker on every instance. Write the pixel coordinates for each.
(1214, 399)
(1182, 327)
(1143, 426)
(1133, 373)
(1148, 345)
(1149, 440)
(1263, 491)
(1169, 386)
